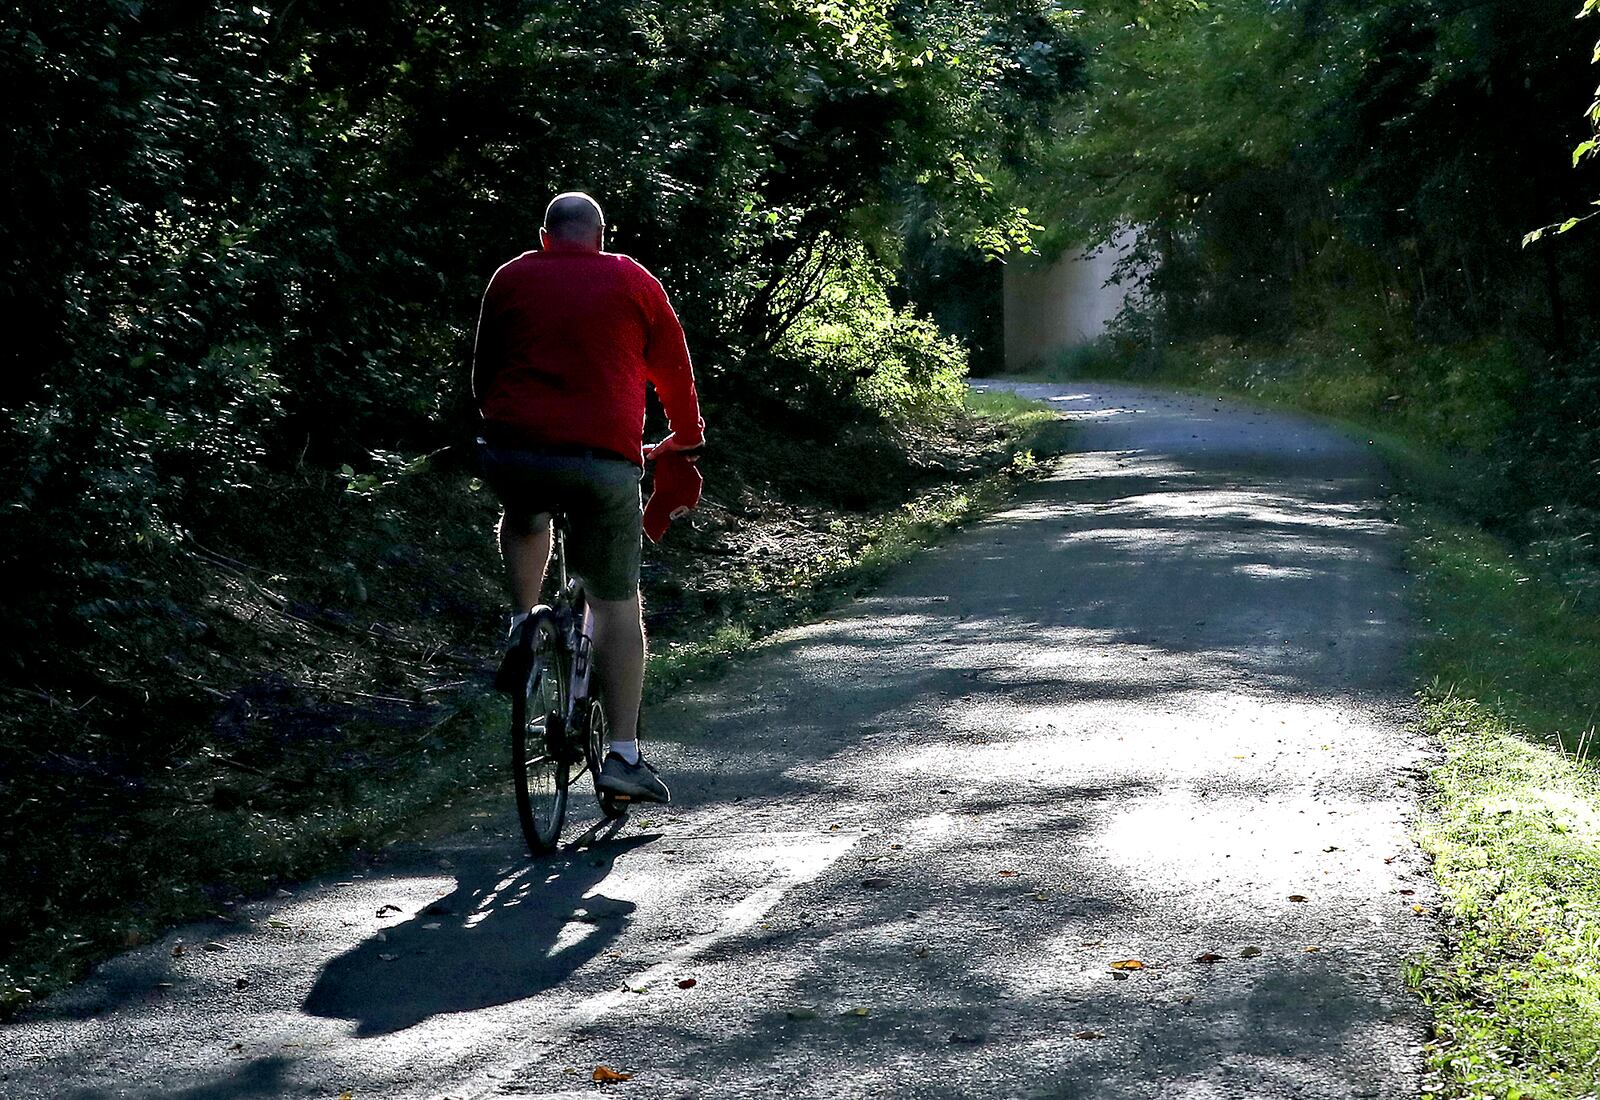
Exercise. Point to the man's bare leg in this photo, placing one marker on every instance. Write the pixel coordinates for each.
(619, 665)
(527, 556)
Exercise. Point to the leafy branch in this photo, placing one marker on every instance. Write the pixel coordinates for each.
(1584, 151)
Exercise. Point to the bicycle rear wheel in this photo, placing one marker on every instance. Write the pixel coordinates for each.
(538, 739)
(599, 738)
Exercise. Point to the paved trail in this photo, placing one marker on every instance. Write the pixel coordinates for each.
(1135, 716)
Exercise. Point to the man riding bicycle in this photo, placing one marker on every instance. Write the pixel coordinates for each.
(567, 339)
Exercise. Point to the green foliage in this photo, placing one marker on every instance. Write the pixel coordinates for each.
(1283, 157)
(242, 249)
(1584, 151)
(1330, 196)
(242, 240)
(1514, 831)
(1499, 628)
(866, 352)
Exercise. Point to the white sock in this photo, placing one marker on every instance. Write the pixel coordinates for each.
(628, 750)
(516, 620)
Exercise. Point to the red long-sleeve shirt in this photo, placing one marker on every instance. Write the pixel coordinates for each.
(567, 339)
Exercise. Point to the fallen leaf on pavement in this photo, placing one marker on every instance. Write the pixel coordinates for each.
(1041, 897)
(1313, 949)
(856, 1012)
(607, 1075)
(1208, 957)
(1088, 1035)
(687, 983)
(1298, 897)
(177, 951)
(1250, 953)
(1008, 874)
(1127, 964)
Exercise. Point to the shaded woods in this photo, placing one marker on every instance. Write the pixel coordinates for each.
(1334, 196)
(242, 252)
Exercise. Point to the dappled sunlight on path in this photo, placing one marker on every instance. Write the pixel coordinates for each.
(1155, 710)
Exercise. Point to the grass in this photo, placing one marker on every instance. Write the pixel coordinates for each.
(1500, 632)
(1510, 655)
(878, 544)
(1512, 822)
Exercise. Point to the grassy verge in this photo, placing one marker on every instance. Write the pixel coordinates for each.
(1512, 823)
(862, 549)
(1511, 653)
(317, 686)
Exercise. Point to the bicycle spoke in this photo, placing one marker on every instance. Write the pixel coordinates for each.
(536, 734)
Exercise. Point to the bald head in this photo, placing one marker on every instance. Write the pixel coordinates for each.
(575, 218)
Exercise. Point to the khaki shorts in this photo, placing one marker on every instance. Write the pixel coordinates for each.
(600, 497)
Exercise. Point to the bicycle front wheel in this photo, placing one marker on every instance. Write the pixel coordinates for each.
(538, 739)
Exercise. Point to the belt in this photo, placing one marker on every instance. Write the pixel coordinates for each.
(501, 440)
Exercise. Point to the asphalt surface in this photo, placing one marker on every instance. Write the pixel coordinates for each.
(1157, 711)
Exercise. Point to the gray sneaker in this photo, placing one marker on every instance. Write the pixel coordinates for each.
(634, 782)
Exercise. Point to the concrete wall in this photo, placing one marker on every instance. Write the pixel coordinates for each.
(1051, 308)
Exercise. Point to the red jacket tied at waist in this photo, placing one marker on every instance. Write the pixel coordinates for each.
(567, 339)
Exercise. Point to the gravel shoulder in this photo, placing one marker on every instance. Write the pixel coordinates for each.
(1155, 712)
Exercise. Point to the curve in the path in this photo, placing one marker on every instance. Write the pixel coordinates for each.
(1136, 716)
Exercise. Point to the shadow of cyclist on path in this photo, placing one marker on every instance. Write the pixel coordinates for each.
(491, 941)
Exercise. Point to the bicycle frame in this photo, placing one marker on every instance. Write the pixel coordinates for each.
(578, 629)
(567, 625)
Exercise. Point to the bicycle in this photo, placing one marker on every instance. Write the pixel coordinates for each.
(556, 724)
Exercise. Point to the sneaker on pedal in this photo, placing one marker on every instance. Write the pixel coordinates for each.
(635, 782)
(518, 661)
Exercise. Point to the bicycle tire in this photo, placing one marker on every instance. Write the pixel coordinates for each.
(538, 738)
